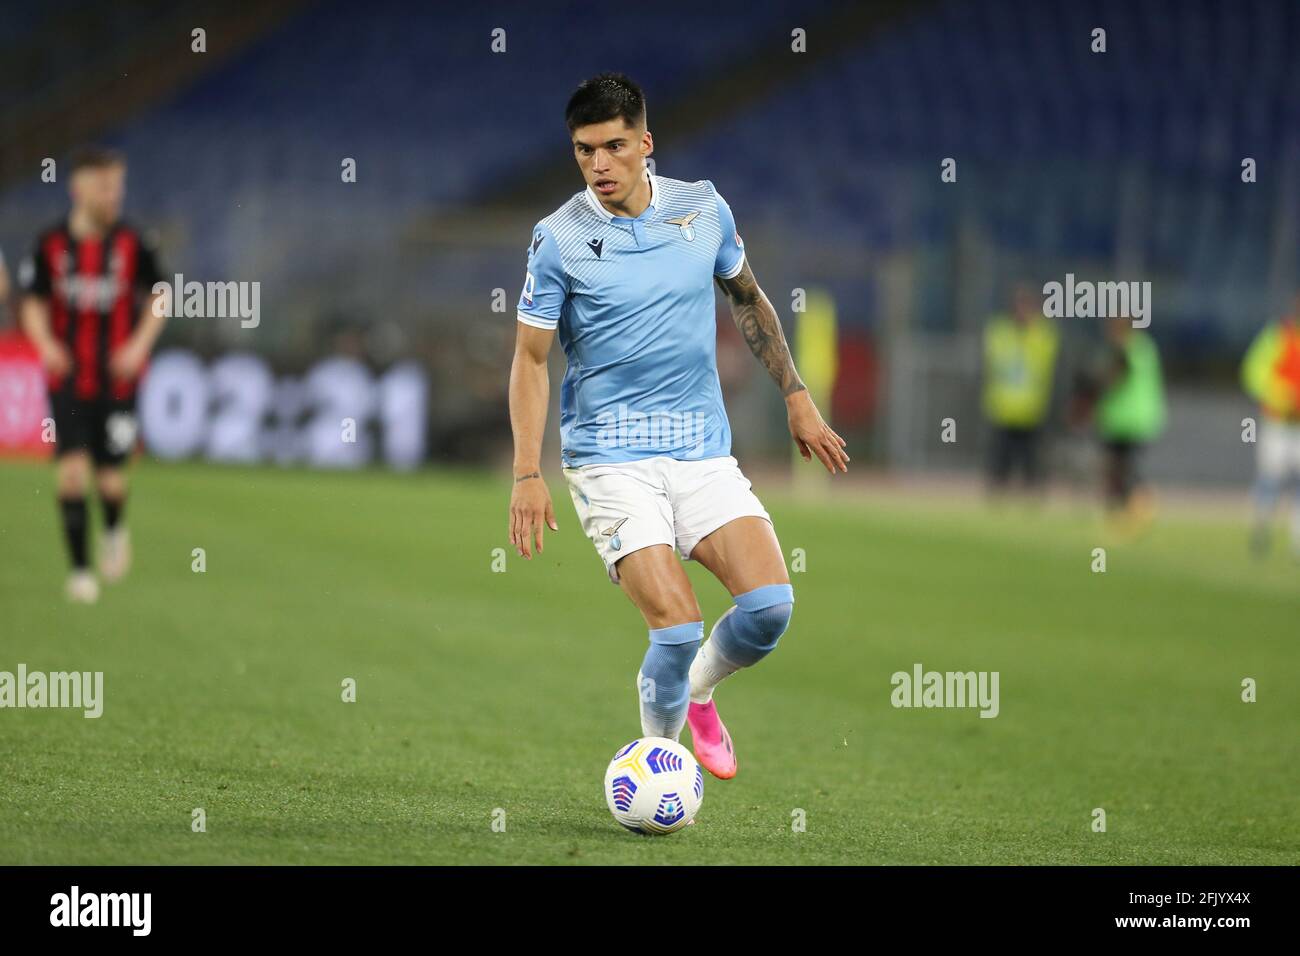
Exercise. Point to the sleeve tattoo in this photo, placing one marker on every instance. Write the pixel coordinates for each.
(759, 324)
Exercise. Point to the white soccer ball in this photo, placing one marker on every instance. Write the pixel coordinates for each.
(653, 786)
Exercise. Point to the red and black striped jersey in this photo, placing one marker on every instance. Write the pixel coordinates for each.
(96, 290)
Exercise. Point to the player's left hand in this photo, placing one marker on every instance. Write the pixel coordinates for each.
(127, 361)
(813, 435)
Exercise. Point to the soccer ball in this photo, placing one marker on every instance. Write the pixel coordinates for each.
(654, 786)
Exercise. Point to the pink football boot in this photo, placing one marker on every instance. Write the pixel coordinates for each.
(712, 742)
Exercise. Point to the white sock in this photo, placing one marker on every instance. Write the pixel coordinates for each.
(709, 668)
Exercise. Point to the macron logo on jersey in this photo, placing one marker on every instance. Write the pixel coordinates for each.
(596, 246)
(537, 241)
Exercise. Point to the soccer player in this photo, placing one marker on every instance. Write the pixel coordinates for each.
(1271, 376)
(624, 273)
(90, 311)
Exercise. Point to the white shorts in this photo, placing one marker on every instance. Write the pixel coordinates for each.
(1278, 449)
(631, 505)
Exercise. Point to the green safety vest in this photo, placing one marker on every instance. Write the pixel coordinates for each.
(1133, 409)
(1018, 365)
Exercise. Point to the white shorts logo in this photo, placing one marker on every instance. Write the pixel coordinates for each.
(611, 532)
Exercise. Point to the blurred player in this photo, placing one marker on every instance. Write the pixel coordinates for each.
(89, 310)
(624, 272)
(1271, 376)
(1019, 363)
(4, 288)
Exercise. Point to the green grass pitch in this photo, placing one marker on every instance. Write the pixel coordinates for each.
(479, 690)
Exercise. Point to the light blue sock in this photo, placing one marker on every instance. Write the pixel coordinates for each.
(743, 636)
(663, 684)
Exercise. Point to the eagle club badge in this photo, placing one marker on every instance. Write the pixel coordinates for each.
(611, 532)
(684, 223)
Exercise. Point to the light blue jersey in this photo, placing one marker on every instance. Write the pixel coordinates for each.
(632, 300)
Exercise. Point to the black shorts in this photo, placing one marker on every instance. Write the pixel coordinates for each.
(105, 427)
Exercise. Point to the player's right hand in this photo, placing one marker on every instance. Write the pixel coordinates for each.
(55, 357)
(530, 513)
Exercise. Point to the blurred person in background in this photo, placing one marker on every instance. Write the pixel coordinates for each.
(1126, 389)
(88, 308)
(4, 291)
(1020, 352)
(1270, 374)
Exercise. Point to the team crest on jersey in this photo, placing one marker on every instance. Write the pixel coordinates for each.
(684, 223)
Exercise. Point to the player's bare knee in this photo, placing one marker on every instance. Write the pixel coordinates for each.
(110, 482)
(669, 610)
(665, 605)
(72, 475)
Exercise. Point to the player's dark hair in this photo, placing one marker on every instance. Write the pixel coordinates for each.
(603, 98)
(95, 157)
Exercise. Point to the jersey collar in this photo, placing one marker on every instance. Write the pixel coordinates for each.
(608, 216)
